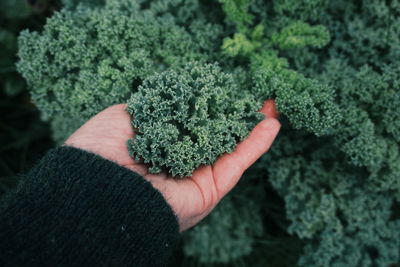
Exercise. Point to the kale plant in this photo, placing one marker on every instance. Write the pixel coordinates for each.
(307, 103)
(89, 58)
(341, 191)
(187, 117)
(195, 73)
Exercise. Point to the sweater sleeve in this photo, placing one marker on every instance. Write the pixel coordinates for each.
(75, 208)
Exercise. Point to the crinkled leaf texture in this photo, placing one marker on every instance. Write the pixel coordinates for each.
(188, 117)
(307, 103)
(88, 58)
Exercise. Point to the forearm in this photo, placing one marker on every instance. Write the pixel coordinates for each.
(75, 208)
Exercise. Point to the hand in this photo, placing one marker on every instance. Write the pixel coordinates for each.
(192, 198)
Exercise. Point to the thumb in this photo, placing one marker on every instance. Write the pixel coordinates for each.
(229, 168)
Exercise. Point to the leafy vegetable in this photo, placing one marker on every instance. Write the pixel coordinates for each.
(88, 59)
(187, 117)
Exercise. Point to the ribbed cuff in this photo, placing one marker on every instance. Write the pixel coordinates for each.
(77, 209)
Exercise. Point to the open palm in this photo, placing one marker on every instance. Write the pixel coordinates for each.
(192, 198)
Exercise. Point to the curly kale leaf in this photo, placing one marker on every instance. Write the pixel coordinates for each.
(307, 103)
(309, 10)
(89, 58)
(237, 12)
(334, 205)
(370, 102)
(340, 192)
(366, 32)
(300, 34)
(188, 117)
(181, 11)
(364, 234)
(78, 64)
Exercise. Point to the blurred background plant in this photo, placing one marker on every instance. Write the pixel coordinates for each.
(23, 136)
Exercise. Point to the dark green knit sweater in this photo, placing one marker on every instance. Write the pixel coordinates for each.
(75, 208)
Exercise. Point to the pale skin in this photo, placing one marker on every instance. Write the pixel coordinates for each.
(192, 198)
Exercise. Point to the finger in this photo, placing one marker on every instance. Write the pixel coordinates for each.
(269, 109)
(229, 168)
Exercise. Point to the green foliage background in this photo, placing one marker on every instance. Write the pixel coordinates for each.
(327, 194)
(23, 136)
